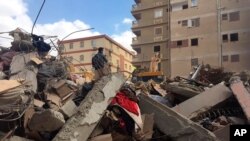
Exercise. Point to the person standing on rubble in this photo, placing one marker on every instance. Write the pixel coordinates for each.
(100, 64)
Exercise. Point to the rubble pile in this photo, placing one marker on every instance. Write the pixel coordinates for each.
(41, 100)
(37, 93)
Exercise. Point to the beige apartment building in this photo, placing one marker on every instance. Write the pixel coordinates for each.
(215, 32)
(151, 27)
(80, 52)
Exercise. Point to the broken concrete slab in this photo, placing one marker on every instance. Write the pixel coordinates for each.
(48, 120)
(68, 109)
(241, 94)
(173, 124)
(17, 138)
(185, 90)
(91, 109)
(148, 124)
(20, 61)
(223, 133)
(206, 99)
(106, 137)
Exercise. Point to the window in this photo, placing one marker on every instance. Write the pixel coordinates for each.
(225, 38)
(225, 58)
(158, 31)
(194, 22)
(158, 13)
(117, 62)
(185, 6)
(179, 43)
(159, 67)
(126, 66)
(194, 62)
(138, 50)
(234, 37)
(93, 43)
(157, 48)
(234, 16)
(82, 44)
(194, 42)
(235, 58)
(71, 45)
(184, 23)
(224, 17)
(137, 33)
(81, 57)
(130, 67)
(194, 3)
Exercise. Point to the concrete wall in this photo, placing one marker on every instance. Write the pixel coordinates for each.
(211, 48)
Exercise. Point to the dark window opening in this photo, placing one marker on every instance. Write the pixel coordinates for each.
(137, 33)
(234, 37)
(157, 48)
(225, 38)
(225, 58)
(184, 23)
(235, 58)
(179, 43)
(224, 17)
(194, 42)
(185, 6)
(159, 67)
(138, 50)
(234, 16)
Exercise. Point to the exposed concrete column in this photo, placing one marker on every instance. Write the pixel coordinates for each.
(91, 110)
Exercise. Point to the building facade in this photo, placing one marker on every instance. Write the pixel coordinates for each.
(80, 52)
(151, 27)
(214, 32)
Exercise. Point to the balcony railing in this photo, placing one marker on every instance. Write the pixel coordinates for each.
(135, 23)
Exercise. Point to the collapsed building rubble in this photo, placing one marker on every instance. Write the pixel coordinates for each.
(41, 100)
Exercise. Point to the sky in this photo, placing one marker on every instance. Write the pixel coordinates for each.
(61, 17)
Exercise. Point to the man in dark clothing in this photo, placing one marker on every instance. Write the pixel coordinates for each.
(100, 64)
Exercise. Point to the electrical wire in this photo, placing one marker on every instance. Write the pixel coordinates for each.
(37, 16)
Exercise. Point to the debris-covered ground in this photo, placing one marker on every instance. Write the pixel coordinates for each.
(41, 100)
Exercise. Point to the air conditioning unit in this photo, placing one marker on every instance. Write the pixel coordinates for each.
(159, 38)
(159, 3)
(158, 21)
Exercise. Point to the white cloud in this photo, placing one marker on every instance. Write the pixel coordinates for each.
(124, 38)
(13, 14)
(127, 21)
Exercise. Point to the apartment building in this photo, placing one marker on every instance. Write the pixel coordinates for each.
(151, 27)
(80, 52)
(214, 32)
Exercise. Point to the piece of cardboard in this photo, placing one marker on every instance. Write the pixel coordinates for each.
(38, 103)
(36, 60)
(6, 85)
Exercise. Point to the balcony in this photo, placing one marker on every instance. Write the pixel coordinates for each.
(135, 24)
(136, 6)
(135, 40)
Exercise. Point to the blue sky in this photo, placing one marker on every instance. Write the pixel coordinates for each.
(61, 17)
(104, 15)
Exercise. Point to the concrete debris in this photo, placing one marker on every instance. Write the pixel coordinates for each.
(181, 129)
(241, 94)
(46, 121)
(216, 94)
(91, 109)
(41, 98)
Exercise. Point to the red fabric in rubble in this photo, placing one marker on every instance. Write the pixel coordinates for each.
(122, 100)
